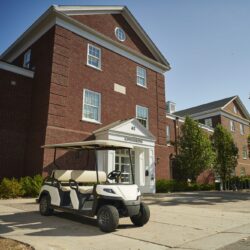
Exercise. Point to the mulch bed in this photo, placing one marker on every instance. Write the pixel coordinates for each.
(8, 244)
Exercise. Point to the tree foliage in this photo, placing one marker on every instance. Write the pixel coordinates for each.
(195, 153)
(226, 152)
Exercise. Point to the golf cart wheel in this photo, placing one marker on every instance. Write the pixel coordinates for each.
(142, 217)
(44, 206)
(108, 218)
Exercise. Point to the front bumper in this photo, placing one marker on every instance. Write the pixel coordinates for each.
(133, 207)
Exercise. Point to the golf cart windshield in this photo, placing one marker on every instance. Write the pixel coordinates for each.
(124, 174)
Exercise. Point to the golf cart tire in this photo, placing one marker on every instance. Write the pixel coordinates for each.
(44, 205)
(108, 218)
(142, 217)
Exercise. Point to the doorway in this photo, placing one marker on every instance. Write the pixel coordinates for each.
(122, 163)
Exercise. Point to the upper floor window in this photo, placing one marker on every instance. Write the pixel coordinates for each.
(91, 106)
(244, 152)
(242, 129)
(141, 76)
(208, 122)
(235, 109)
(168, 134)
(26, 59)
(142, 115)
(120, 34)
(94, 56)
(232, 125)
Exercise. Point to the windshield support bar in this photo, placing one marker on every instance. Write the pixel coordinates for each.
(131, 166)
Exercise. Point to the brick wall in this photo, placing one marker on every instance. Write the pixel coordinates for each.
(111, 22)
(41, 61)
(15, 107)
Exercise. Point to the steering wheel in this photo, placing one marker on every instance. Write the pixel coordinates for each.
(114, 175)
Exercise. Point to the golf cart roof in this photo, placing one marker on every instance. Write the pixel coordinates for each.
(96, 144)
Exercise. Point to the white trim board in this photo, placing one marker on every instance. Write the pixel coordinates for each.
(17, 70)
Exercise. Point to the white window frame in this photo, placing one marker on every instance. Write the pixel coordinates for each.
(209, 122)
(235, 110)
(139, 106)
(242, 132)
(244, 152)
(99, 108)
(232, 126)
(99, 59)
(168, 137)
(26, 59)
(117, 29)
(142, 77)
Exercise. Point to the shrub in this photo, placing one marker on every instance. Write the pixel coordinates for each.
(165, 186)
(10, 188)
(31, 186)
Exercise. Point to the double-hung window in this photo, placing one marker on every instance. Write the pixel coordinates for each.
(241, 129)
(141, 76)
(91, 106)
(142, 115)
(26, 59)
(244, 152)
(232, 126)
(168, 134)
(94, 56)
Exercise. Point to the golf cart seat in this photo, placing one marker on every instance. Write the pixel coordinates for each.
(87, 177)
(63, 177)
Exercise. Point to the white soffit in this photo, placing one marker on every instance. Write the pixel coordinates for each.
(17, 70)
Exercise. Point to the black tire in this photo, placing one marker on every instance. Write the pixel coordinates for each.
(108, 218)
(142, 217)
(44, 206)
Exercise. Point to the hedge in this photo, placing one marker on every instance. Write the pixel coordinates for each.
(165, 186)
(25, 187)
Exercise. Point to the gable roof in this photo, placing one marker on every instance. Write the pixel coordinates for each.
(213, 106)
(60, 15)
(119, 123)
(204, 107)
(124, 11)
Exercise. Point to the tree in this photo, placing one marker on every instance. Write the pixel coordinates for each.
(195, 153)
(226, 153)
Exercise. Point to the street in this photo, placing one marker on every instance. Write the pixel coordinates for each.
(198, 220)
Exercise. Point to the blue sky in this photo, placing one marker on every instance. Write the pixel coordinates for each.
(207, 42)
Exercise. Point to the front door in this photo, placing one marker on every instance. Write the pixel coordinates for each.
(122, 163)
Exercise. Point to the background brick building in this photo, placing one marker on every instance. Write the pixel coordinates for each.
(230, 113)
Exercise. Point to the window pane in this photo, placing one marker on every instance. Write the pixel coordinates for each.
(141, 76)
(91, 105)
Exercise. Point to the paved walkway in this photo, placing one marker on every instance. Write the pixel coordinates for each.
(200, 220)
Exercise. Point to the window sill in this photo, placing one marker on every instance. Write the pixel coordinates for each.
(93, 67)
(145, 87)
(91, 121)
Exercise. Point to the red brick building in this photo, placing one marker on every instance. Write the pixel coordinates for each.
(230, 113)
(86, 72)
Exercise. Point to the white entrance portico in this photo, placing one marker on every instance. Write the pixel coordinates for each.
(143, 154)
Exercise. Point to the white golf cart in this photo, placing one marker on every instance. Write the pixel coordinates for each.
(93, 193)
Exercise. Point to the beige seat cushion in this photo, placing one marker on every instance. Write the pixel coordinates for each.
(65, 188)
(87, 176)
(62, 175)
(86, 189)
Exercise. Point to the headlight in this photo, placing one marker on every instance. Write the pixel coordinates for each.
(109, 190)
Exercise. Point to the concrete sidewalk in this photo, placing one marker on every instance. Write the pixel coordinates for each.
(202, 220)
